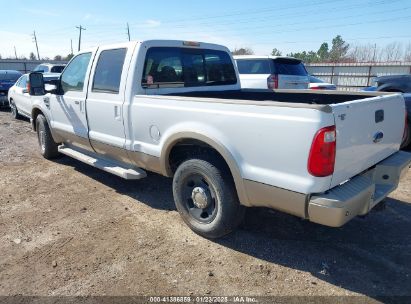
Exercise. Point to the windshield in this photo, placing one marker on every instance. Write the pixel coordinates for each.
(315, 80)
(287, 66)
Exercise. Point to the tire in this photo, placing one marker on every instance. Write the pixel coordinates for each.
(407, 137)
(48, 148)
(206, 198)
(13, 109)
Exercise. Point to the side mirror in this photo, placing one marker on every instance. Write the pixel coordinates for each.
(36, 81)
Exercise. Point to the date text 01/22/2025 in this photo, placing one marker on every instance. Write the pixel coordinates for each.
(205, 299)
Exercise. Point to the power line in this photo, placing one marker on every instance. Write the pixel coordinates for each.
(79, 36)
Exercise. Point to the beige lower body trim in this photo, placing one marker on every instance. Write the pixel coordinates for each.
(262, 195)
(146, 161)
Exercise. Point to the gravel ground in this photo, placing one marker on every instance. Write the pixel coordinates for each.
(71, 230)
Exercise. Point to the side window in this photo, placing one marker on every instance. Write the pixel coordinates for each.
(163, 67)
(17, 84)
(73, 77)
(109, 67)
(23, 82)
(254, 66)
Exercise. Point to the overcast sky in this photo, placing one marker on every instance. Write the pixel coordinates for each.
(262, 25)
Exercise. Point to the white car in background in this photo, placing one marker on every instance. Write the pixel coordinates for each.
(271, 72)
(19, 98)
(319, 84)
(50, 68)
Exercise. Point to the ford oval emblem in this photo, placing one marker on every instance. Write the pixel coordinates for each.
(378, 137)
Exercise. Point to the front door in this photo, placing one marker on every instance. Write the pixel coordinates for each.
(68, 110)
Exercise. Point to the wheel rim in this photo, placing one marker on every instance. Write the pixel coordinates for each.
(13, 109)
(42, 140)
(200, 199)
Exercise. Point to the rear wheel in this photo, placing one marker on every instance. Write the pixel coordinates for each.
(13, 109)
(48, 148)
(206, 198)
(407, 136)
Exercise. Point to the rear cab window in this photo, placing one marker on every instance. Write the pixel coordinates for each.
(57, 69)
(167, 67)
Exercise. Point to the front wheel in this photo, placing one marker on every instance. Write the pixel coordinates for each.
(206, 198)
(13, 109)
(48, 148)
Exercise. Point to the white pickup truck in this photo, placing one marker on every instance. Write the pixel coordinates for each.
(176, 108)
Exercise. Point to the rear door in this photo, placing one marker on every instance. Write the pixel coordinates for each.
(368, 131)
(291, 74)
(105, 101)
(254, 73)
(68, 110)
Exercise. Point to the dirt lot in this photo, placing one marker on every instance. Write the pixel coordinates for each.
(69, 229)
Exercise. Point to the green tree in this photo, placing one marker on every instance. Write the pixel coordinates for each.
(307, 57)
(68, 57)
(58, 58)
(276, 52)
(339, 49)
(32, 56)
(323, 52)
(243, 51)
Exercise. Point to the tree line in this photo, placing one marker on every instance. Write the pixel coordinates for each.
(32, 56)
(341, 51)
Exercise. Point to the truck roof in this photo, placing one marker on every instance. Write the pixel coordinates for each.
(264, 57)
(166, 43)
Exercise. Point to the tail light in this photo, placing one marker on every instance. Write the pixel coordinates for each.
(28, 87)
(272, 81)
(322, 154)
(317, 88)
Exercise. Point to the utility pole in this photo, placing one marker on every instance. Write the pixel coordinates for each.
(79, 37)
(375, 50)
(37, 47)
(128, 32)
(71, 44)
(15, 52)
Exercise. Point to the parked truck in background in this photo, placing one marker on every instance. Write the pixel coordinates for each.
(176, 108)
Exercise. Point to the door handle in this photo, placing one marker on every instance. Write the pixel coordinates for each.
(77, 102)
(117, 113)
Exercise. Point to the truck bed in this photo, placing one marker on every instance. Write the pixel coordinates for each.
(289, 96)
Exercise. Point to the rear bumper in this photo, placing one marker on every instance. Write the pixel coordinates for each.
(360, 194)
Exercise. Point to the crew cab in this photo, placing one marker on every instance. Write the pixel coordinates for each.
(176, 108)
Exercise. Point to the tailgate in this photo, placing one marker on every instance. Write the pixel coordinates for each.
(292, 82)
(368, 131)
